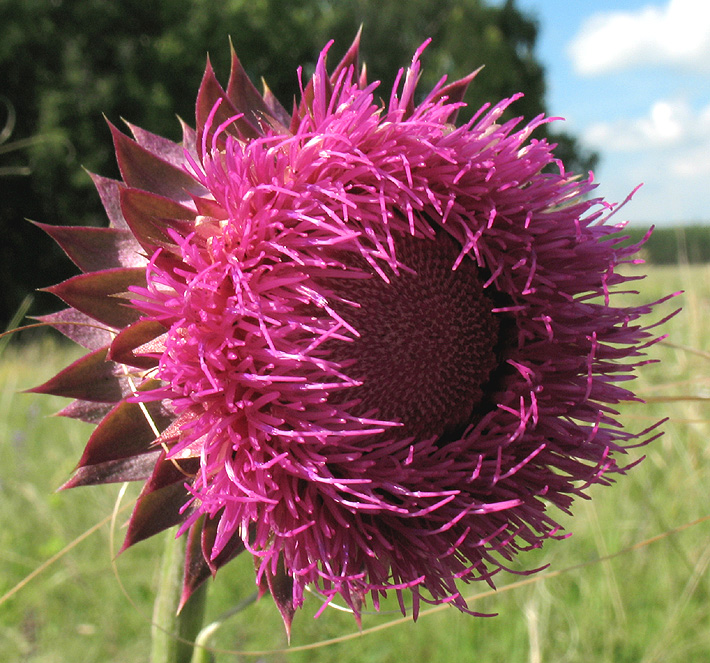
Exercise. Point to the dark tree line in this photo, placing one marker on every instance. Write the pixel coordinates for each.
(65, 64)
(674, 245)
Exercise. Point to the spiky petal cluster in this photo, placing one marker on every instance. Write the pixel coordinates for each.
(373, 347)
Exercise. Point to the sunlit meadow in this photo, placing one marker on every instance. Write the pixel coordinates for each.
(630, 584)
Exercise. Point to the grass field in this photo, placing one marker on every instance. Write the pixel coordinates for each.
(648, 603)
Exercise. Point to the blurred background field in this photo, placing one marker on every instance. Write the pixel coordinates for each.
(649, 603)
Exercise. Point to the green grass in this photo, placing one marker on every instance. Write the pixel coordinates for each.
(646, 604)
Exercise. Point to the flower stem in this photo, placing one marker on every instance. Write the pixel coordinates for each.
(201, 653)
(173, 634)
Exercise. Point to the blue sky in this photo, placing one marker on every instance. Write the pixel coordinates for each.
(632, 80)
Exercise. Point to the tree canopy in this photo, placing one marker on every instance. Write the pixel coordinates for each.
(66, 65)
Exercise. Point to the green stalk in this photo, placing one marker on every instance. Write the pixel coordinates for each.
(173, 634)
(202, 654)
(16, 320)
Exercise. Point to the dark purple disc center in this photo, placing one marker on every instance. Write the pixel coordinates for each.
(427, 339)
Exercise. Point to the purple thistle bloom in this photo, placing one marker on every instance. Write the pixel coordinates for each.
(374, 346)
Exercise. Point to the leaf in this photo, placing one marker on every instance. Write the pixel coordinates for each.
(262, 583)
(136, 335)
(137, 468)
(95, 249)
(172, 432)
(350, 59)
(281, 588)
(93, 294)
(189, 139)
(125, 431)
(455, 92)
(91, 413)
(198, 565)
(150, 216)
(79, 328)
(207, 207)
(243, 95)
(226, 113)
(161, 502)
(109, 193)
(229, 551)
(161, 147)
(196, 570)
(141, 169)
(91, 378)
(276, 110)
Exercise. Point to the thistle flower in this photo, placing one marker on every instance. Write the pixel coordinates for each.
(367, 346)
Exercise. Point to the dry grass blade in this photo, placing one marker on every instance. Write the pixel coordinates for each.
(56, 557)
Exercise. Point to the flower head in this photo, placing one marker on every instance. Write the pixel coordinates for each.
(368, 346)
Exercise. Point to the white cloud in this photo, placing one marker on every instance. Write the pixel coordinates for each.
(674, 190)
(669, 124)
(677, 33)
(667, 149)
(692, 164)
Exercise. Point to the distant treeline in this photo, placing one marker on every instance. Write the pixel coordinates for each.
(669, 246)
